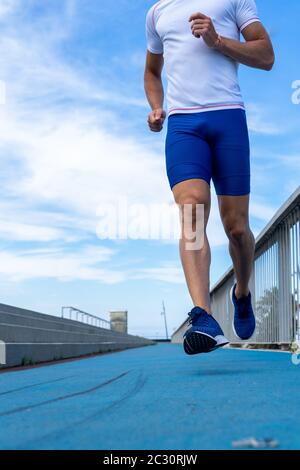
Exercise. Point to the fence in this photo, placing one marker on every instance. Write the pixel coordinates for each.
(73, 313)
(275, 282)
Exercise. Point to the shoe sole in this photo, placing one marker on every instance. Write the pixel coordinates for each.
(233, 328)
(197, 343)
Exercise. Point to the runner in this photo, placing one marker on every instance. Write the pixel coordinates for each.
(198, 41)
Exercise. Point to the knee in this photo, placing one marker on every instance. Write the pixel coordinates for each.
(236, 229)
(189, 201)
(190, 198)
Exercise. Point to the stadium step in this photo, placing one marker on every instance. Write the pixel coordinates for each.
(29, 337)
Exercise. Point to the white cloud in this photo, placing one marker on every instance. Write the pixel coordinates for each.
(72, 155)
(27, 232)
(262, 211)
(58, 264)
(7, 6)
(71, 160)
(59, 151)
(89, 263)
(168, 273)
(261, 122)
(290, 161)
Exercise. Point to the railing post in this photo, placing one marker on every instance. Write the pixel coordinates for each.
(284, 287)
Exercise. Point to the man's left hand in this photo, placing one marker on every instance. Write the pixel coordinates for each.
(203, 27)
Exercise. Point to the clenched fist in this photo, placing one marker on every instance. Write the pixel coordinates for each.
(203, 27)
(156, 119)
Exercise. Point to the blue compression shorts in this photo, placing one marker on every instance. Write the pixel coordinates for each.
(210, 145)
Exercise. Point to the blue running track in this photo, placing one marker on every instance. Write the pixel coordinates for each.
(152, 398)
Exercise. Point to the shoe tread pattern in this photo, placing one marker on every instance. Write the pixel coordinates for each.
(196, 343)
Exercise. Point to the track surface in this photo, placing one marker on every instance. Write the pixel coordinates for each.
(154, 397)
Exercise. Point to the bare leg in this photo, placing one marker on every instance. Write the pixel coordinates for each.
(234, 211)
(196, 263)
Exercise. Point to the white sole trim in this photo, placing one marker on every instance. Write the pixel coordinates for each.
(220, 339)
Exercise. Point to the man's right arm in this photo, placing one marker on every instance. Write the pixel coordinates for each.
(154, 90)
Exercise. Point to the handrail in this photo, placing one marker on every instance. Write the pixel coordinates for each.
(283, 212)
(94, 320)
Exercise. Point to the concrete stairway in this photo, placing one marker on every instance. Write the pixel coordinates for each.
(31, 337)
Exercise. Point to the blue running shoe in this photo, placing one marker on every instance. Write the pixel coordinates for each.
(205, 334)
(244, 320)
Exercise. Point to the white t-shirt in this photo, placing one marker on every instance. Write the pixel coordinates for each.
(199, 78)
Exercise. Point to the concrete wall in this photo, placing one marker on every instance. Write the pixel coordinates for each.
(177, 336)
(33, 337)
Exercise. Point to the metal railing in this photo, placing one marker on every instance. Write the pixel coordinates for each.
(73, 313)
(275, 282)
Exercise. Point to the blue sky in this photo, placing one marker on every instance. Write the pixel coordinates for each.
(73, 135)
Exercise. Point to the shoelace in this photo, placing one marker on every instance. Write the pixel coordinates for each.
(194, 316)
(191, 319)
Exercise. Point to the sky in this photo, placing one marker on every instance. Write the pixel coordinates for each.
(73, 137)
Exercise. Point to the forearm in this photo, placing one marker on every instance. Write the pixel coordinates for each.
(258, 53)
(154, 90)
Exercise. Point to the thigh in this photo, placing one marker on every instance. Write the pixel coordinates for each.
(231, 154)
(188, 156)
